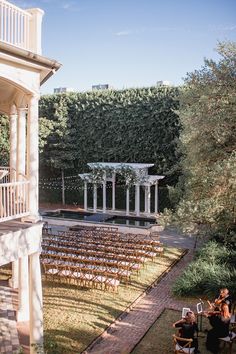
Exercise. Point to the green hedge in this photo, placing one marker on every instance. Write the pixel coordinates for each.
(134, 125)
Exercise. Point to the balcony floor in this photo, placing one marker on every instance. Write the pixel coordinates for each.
(12, 226)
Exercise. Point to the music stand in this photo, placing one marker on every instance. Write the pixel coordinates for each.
(184, 311)
(199, 312)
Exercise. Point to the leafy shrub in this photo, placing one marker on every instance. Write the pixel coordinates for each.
(213, 268)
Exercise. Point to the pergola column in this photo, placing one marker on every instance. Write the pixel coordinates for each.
(137, 199)
(21, 143)
(145, 199)
(23, 290)
(35, 304)
(85, 195)
(113, 191)
(148, 199)
(127, 201)
(156, 198)
(104, 199)
(13, 142)
(95, 197)
(33, 155)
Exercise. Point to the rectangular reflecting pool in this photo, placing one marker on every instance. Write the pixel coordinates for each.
(101, 218)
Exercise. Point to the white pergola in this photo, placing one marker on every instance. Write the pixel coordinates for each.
(142, 179)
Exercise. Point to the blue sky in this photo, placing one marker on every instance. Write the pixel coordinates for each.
(131, 43)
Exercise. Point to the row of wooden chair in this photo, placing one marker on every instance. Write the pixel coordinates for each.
(114, 242)
(81, 276)
(123, 271)
(94, 253)
(109, 235)
(141, 252)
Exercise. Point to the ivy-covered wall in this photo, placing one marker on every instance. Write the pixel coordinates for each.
(133, 125)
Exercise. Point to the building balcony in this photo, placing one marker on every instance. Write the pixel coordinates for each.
(20, 28)
(14, 196)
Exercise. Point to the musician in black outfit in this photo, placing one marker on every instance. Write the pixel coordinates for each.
(220, 321)
(188, 327)
(224, 296)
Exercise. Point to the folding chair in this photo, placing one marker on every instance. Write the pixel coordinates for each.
(184, 347)
(233, 317)
(230, 339)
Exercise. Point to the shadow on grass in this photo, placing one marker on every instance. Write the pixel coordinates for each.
(58, 341)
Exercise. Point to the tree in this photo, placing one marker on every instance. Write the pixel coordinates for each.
(57, 137)
(208, 145)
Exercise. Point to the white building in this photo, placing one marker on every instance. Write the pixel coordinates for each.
(163, 83)
(101, 87)
(62, 90)
(23, 70)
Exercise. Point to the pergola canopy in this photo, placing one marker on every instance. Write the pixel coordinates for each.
(140, 170)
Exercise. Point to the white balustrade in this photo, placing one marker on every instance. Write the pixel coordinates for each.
(8, 176)
(14, 25)
(20, 28)
(14, 200)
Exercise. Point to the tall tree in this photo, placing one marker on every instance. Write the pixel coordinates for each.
(208, 144)
(57, 138)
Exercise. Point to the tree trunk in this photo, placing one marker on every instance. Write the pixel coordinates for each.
(63, 187)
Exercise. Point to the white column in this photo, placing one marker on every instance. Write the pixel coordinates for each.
(15, 274)
(13, 142)
(23, 290)
(85, 195)
(35, 304)
(35, 25)
(137, 199)
(113, 191)
(13, 167)
(21, 143)
(95, 197)
(156, 198)
(127, 201)
(148, 199)
(104, 199)
(33, 156)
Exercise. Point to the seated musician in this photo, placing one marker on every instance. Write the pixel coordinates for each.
(188, 327)
(219, 321)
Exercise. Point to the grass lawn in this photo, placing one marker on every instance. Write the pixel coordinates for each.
(74, 316)
(159, 337)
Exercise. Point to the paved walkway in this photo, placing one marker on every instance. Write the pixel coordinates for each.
(122, 336)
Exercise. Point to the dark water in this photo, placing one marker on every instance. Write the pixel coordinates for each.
(100, 217)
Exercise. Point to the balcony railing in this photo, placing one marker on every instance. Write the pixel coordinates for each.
(14, 200)
(19, 27)
(14, 25)
(7, 174)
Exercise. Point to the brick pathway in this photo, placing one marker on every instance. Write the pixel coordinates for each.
(122, 336)
(9, 342)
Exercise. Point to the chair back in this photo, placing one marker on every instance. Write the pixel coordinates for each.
(182, 345)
